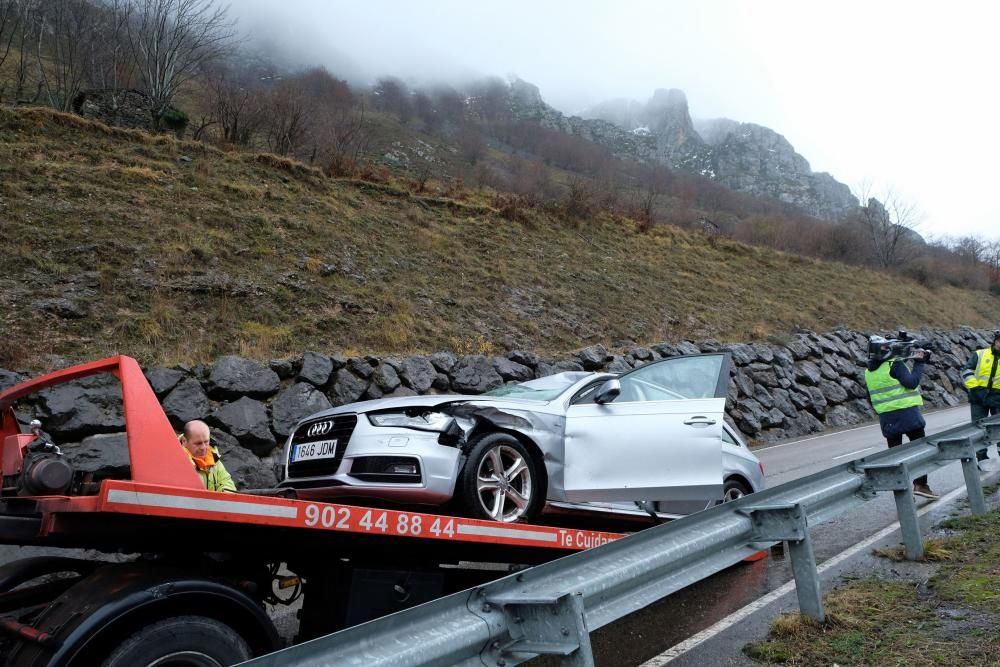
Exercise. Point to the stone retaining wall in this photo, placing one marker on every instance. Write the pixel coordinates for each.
(803, 385)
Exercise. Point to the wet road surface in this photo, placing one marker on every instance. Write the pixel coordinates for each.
(647, 633)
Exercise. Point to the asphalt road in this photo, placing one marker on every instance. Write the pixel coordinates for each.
(792, 459)
(646, 634)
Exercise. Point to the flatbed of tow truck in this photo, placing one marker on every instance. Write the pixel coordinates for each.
(134, 517)
(206, 563)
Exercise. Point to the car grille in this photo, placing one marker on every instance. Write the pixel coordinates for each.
(343, 427)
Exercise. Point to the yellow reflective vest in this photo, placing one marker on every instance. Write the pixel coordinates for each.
(887, 393)
(980, 377)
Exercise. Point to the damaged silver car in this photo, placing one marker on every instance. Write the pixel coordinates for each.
(652, 440)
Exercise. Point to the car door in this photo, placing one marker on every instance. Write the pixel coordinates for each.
(659, 440)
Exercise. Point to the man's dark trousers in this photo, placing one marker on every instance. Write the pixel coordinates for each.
(896, 440)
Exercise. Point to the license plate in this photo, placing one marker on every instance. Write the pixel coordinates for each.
(321, 449)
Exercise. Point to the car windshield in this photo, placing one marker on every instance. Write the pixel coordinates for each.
(542, 389)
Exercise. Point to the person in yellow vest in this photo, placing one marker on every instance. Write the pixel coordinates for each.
(197, 442)
(979, 374)
(894, 390)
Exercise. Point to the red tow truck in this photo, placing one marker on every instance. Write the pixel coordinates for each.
(202, 568)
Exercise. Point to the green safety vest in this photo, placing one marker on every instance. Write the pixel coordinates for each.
(981, 378)
(886, 392)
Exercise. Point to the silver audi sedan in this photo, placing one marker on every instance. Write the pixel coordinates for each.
(650, 441)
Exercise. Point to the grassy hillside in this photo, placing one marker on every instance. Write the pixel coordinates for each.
(171, 259)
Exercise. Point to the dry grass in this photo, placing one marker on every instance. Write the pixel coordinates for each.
(951, 622)
(935, 551)
(42, 118)
(261, 341)
(972, 576)
(334, 263)
(285, 164)
(875, 623)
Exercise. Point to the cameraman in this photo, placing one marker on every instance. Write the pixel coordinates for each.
(894, 390)
(983, 383)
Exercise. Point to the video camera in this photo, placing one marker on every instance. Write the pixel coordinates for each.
(905, 346)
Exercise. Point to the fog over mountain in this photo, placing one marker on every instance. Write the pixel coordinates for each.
(892, 93)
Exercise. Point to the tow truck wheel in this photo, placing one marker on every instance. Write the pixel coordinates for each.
(500, 480)
(181, 641)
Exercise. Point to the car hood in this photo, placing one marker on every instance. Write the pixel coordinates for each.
(431, 400)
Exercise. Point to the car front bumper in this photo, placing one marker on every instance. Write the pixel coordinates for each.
(438, 464)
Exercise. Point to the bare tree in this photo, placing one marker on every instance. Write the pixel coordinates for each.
(652, 182)
(10, 17)
(170, 40)
(449, 104)
(110, 65)
(890, 224)
(346, 139)
(972, 249)
(992, 259)
(423, 107)
(26, 35)
(70, 27)
(235, 102)
(392, 95)
(286, 117)
(471, 143)
(336, 129)
(580, 201)
(490, 97)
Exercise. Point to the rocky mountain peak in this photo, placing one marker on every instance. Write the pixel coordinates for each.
(742, 156)
(668, 98)
(668, 118)
(715, 130)
(625, 113)
(526, 95)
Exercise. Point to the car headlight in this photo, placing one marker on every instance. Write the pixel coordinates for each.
(427, 421)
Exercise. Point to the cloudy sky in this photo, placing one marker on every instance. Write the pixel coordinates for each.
(901, 94)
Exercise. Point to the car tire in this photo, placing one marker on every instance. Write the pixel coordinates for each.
(181, 640)
(520, 490)
(734, 489)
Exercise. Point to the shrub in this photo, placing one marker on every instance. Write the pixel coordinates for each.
(175, 120)
(512, 207)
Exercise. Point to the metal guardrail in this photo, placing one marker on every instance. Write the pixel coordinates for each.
(551, 609)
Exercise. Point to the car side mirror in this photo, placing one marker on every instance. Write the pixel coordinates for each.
(608, 392)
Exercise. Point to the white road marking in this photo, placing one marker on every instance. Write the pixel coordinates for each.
(140, 498)
(836, 433)
(740, 614)
(844, 456)
(815, 437)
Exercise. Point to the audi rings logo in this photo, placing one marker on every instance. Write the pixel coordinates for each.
(319, 428)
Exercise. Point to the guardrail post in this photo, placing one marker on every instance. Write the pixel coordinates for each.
(992, 428)
(964, 449)
(896, 477)
(542, 626)
(781, 523)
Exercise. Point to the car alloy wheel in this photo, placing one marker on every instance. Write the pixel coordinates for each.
(501, 480)
(733, 490)
(503, 483)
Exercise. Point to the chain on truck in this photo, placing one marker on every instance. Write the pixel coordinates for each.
(202, 567)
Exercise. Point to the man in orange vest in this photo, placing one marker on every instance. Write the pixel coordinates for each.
(197, 442)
